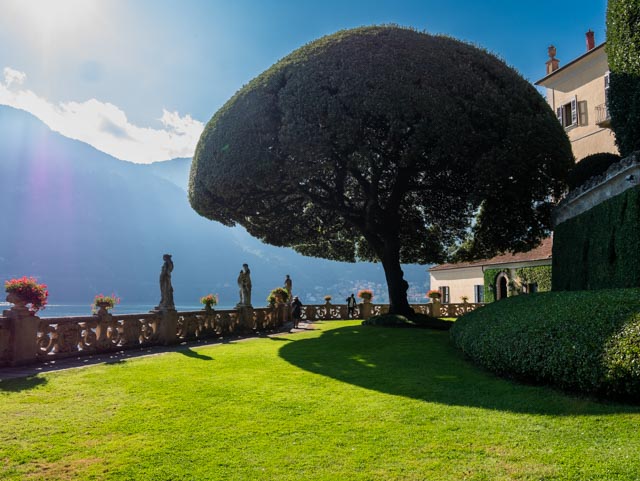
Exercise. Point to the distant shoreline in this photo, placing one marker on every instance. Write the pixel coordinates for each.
(66, 310)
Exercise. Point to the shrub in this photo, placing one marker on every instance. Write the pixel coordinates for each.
(585, 341)
(278, 292)
(590, 166)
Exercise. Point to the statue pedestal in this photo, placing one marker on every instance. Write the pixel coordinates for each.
(366, 310)
(24, 336)
(436, 308)
(245, 318)
(167, 326)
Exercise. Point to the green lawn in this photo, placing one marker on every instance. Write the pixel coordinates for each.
(341, 402)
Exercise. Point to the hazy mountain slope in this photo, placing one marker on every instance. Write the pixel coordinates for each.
(85, 222)
(175, 171)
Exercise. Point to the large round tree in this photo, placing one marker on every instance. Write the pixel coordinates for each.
(384, 144)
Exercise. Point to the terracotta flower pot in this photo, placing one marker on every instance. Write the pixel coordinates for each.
(103, 307)
(16, 300)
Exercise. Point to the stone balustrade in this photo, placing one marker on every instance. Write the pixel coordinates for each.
(26, 338)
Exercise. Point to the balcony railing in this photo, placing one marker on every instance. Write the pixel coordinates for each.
(603, 119)
(25, 338)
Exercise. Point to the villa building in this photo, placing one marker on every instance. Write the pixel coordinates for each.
(496, 278)
(577, 92)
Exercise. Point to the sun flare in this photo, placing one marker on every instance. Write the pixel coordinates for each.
(48, 18)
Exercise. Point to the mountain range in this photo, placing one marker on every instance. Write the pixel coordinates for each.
(84, 223)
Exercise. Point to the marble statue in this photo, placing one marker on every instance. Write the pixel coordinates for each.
(244, 286)
(166, 289)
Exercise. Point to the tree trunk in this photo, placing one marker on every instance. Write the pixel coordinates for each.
(396, 284)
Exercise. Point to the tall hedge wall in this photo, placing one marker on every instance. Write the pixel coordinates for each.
(600, 248)
(623, 53)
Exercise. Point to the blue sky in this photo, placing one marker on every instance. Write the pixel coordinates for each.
(139, 78)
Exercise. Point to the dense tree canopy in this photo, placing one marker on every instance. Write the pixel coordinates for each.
(386, 144)
(623, 53)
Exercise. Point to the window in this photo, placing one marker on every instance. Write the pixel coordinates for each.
(444, 291)
(478, 293)
(568, 113)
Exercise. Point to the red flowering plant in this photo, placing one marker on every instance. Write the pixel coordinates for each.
(108, 302)
(27, 290)
(365, 294)
(434, 294)
(209, 300)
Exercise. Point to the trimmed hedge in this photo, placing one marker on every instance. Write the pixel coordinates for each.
(623, 55)
(580, 341)
(590, 166)
(599, 249)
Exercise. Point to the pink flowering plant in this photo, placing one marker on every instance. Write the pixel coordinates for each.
(34, 295)
(108, 302)
(434, 294)
(209, 300)
(365, 294)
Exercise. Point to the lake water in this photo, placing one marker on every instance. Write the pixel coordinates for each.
(60, 310)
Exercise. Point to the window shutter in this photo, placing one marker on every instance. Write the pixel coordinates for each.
(583, 117)
(559, 115)
(574, 111)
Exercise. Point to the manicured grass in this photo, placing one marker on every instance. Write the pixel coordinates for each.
(342, 402)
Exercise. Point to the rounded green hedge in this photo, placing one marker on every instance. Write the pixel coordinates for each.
(590, 166)
(585, 341)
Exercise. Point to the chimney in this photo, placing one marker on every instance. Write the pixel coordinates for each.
(591, 41)
(553, 63)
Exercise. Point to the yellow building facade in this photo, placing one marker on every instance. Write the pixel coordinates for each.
(577, 93)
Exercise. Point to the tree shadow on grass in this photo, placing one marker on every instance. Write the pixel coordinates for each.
(22, 384)
(194, 354)
(423, 364)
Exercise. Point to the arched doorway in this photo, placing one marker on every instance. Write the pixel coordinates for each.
(502, 286)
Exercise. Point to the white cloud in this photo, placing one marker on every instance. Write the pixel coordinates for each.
(105, 126)
(12, 76)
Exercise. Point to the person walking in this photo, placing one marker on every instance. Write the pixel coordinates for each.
(296, 311)
(351, 306)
